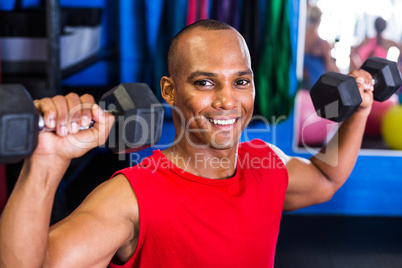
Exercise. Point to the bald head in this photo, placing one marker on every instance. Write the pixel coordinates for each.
(173, 60)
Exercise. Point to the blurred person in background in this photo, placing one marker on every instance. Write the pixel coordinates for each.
(377, 46)
(317, 52)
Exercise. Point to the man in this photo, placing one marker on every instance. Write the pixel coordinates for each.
(205, 201)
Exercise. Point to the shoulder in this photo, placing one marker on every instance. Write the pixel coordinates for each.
(363, 43)
(284, 157)
(260, 146)
(254, 145)
(367, 40)
(119, 196)
(389, 43)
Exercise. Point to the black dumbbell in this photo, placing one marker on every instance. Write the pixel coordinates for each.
(336, 96)
(138, 120)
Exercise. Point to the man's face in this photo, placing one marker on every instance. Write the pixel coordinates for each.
(214, 88)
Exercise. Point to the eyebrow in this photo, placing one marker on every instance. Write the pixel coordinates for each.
(210, 74)
(245, 72)
(200, 73)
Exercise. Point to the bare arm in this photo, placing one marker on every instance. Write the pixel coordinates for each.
(316, 180)
(24, 227)
(329, 61)
(25, 221)
(355, 61)
(105, 223)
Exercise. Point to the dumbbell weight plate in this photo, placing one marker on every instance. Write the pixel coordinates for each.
(18, 123)
(139, 117)
(386, 76)
(339, 87)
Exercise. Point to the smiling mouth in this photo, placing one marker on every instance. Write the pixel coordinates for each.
(222, 122)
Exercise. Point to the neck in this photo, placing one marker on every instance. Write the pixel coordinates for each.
(312, 28)
(205, 162)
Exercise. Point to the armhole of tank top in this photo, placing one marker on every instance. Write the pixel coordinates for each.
(284, 157)
(142, 215)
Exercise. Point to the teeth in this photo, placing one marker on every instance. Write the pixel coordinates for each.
(222, 122)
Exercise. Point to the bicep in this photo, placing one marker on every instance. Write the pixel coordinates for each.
(307, 185)
(92, 234)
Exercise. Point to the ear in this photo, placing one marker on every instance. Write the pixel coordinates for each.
(168, 90)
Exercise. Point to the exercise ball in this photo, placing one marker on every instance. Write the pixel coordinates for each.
(378, 110)
(391, 127)
(311, 130)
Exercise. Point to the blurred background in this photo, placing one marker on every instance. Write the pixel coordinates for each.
(61, 46)
(345, 24)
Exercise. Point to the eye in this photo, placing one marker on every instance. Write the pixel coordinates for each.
(242, 82)
(203, 83)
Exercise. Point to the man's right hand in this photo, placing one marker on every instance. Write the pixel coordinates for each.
(66, 114)
(25, 237)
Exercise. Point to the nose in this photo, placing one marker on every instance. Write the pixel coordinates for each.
(224, 98)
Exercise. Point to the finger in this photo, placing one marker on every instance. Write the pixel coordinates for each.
(86, 111)
(368, 80)
(74, 112)
(48, 111)
(98, 115)
(62, 109)
(103, 123)
(365, 82)
(361, 84)
(371, 82)
(360, 80)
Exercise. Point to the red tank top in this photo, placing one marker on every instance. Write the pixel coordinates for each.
(191, 221)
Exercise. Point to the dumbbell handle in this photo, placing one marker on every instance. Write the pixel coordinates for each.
(42, 126)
